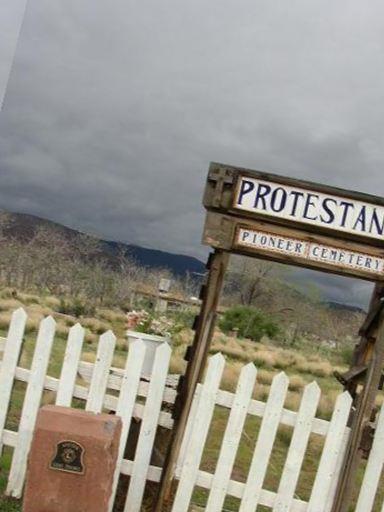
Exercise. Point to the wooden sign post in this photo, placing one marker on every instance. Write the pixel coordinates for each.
(298, 223)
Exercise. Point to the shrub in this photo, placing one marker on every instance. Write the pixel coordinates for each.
(250, 322)
(346, 354)
(76, 307)
(183, 318)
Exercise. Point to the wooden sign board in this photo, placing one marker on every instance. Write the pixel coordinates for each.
(291, 246)
(303, 205)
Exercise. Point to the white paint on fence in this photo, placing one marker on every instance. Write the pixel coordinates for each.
(201, 425)
(70, 364)
(232, 438)
(373, 470)
(9, 363)
(188, 429)
(30, 407)
(148, 429)
(264, 445)
(100, 374)
(330, 456)
(297, 448)
(126, 403)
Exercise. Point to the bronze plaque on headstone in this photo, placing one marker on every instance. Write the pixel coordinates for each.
(68, 457)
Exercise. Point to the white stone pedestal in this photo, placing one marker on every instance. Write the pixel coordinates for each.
(151, 342)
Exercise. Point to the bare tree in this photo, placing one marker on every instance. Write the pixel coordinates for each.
(250, 278)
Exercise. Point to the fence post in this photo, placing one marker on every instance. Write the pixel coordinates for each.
(365, 404)
(196, 356)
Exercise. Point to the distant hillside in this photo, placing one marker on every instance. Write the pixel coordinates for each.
(23, 227)
(345, 307)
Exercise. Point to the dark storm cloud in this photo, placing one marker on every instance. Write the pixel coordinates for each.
(115, 109)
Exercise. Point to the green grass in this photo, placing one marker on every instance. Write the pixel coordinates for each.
(7, 504)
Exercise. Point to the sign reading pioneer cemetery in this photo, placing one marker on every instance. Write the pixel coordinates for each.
(313, 251)
(295, 222)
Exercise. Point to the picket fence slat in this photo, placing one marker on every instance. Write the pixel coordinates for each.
(71, 360)
(297, 448)
(231, 438)
(373, 470)
(31, 406)
(330, 456)
(9, 364)
(199, 434)
(126, 403)
(100, 375)
(264, 444)
(148, 429)
(189, 428)
(340, 461)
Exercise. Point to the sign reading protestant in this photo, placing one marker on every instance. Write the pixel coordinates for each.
(310, 207)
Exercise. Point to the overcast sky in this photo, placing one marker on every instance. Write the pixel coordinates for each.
(115, 108)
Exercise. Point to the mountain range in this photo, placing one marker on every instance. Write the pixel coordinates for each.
(23, 227)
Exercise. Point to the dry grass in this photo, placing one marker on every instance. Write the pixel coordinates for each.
(296, 383)
(122, 345)
(111, 316)
(230, 376)
(326, 405)
(90, 338)
(318, 369)
(292, 401)
(177, 365)
(37, 311)
(265, 358)
(261, 392)
(94, 325)
(51, 302)
(265, 377)
(232, 353)
(5, 318)
(88, 357)
(119, 360)
(27, 298)
(9, 304)
(62, 329)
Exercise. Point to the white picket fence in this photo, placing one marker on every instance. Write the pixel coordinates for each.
(159, 395)
(95, 398)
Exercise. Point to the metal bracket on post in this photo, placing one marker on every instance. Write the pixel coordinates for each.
(367, 440)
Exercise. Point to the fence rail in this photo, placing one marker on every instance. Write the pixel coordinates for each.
(101, 386)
